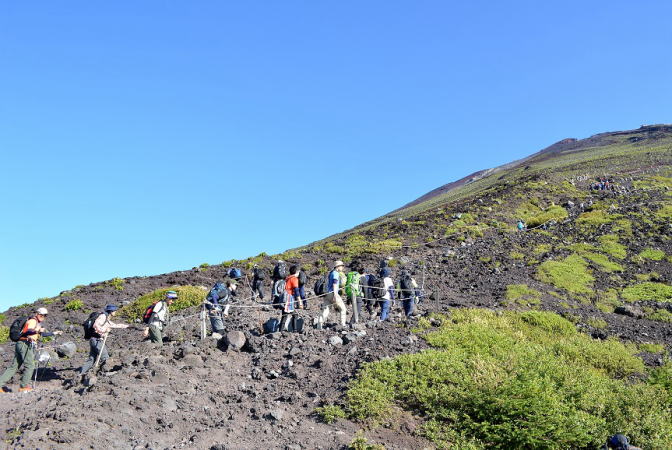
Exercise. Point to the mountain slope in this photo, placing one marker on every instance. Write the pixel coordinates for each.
(601, 259)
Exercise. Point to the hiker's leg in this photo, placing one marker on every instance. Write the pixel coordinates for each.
(102, 351)
(28, 365)
(408, 306)
(284, 321)
(384, 309)
(326, 303)
(260, 289)
(302, 294)
(16, 363)
(155, 334)
(93, 354)
(339, 305)
(216, 322)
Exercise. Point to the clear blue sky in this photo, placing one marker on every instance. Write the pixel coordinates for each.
(139, 138)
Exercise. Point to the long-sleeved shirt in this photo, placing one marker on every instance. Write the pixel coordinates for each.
(160, 314)
(388, 284)
(103, 325)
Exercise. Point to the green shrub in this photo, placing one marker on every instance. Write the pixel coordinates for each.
(570, 274)
(652, 254)
(664, 213)
(658, 292)
(597, 323)
(662, 377)
(533, 215)
(4, 334)
(652, 348)
(516, 255)
(188, 296)
(2, 318)
(610, 245)
(522, 294)
(359, 442)
(329, 413)
(74, 305)
(117, 283)
(659, 314)
(512, 380)
(590, 220)
(204, 266)
(589, 252)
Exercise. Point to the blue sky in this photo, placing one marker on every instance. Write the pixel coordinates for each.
(139, 138)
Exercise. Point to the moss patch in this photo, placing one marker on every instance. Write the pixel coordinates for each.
(522, 294)
(571, 274)
(658, 292)
(534, 215)
(652, 254)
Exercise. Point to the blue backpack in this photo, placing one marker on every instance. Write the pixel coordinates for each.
(235, 273)
(217, 292)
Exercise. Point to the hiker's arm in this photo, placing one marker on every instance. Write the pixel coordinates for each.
(117, 325)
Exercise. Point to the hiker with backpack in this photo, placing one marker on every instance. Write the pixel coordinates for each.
(258, 277)
(290, 299)
(96, 328)
(618, 442)
(407, 287)
(158, 317)
(333, 297)
(353, 291)
(387, 293)
(365, 286)
(217, 303)
(25, 331)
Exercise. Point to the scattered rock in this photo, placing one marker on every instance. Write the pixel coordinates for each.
(216, 336)
(66, 350)
(348, 338)
(335, 340)
(276, 415)
(630, 310)
(235, 340)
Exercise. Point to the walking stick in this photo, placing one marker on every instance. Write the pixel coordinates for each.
(100, 352)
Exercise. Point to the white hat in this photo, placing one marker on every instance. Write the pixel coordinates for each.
(338, 263)
(42, 311)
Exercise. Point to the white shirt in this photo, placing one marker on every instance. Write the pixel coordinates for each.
(387, 284)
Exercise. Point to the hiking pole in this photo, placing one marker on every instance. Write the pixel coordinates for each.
(37, 368)
(355, 313)
(100, 352)
(203, 330)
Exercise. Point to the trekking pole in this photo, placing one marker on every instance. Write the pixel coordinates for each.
(100, 352)
(203, 330)
(37, 368)
(355, 313)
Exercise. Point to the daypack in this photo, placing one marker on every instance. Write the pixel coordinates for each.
(89, 332)
(406, 285)
(377, 287)
(297, 323)
(259, 274)
(365, 288)
(218, 291)
(352, 280)
(16, 328)
(303, 278)
(148, 313)
(279, 294)
(320, 286)
(271, 325)
(235, 273)
(280, 271)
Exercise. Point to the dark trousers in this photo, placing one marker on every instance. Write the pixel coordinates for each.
(302, 294)
(258, 287)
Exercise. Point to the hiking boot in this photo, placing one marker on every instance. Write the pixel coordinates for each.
(5, 390)
(26, 389)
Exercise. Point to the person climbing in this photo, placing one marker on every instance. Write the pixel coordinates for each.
(98, 344)
(303, 280)
(280, 271)
(618, 442)
(365, 285)
(258, 281)
(159, 319)
(291, 298)
(407, 287)
(353, 289)
(218, 303)
(333, 297)
(386, 299)
(521, 225)
(24, 350)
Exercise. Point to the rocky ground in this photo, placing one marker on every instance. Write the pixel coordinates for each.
(223, 393)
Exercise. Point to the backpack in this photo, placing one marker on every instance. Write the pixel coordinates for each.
(271, 325)
(406, 285)
(303, 278)
(297, 323)
(259, 274)
(352, 280)
(377, 287)
(280, 271)
(279, 294)
(146, 317)
(219, 290)
(235, 273)
(320, 286)
(16, 329)
(89, 332)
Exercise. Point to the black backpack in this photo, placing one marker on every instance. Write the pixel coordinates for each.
(89, 332)
(377, 287)
(303, 278)
(235, 273)
(16, 329)
(406, 285)
(279, 294)
(320, 286)
(259, 274)
(280, 271)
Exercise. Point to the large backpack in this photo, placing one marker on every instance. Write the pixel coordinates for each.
(320, 286)
(89, 331)
(352, 280)
(218, 291)
(406, 285)
(16, 329)
(279, 294)
(377, 287)
(259, 273)
(303, 278)
(280, 271)
(364, 286)
(235, 273)
(146, 317)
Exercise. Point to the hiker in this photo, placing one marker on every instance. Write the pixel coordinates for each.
(24, 350)
(303, 279)
(291, 298)
(388, 295)
(365, 285)
(407, 287)
(258, 281)
(333, 296)
(217, 303)
(159, 318)
(280, 271)
(521, 225)
(353, 288)
(98, 344)
(618, 442)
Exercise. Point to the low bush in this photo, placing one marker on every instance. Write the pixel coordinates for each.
(329, 413)
(4, 334)
(658, 292)
(611, 246)
(522, 294)
(74, 305)
(117, 283)
(570, 274)
(188, 296)
(517, 380)
(652, 254)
